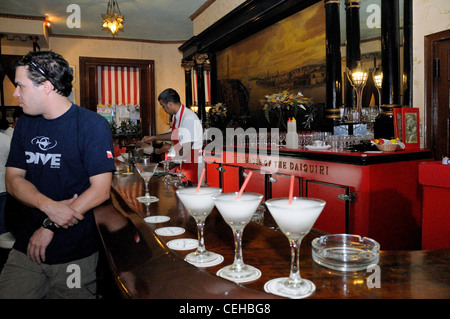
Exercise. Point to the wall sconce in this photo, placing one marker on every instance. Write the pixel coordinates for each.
(378, 80)
(194, 108)
(113, 18)
(358, 79)
(47, 23)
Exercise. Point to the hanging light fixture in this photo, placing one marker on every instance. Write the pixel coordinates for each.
(113, 18)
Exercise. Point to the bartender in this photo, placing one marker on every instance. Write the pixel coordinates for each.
(186, 134)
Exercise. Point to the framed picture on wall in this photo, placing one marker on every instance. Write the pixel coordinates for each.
(406, 126)
(7, 112)
(72, 70)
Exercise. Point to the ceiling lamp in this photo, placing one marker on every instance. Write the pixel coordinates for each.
(113, 19)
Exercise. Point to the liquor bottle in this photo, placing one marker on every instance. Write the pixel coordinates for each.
(292, 135)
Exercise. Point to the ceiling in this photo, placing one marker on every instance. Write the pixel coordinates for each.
(155, 20)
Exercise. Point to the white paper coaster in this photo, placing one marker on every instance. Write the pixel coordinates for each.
(214, 262)
(157, 219)
(270, 287)
(170, 231)
(183, 244)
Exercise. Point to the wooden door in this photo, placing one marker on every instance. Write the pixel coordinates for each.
(89, 91)
(437, 109)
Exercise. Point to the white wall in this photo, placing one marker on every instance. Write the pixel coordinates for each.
(429, 16)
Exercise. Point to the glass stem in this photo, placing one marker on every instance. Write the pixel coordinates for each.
(147, 192)
(201, 240)
(238, 261)
(294, 276)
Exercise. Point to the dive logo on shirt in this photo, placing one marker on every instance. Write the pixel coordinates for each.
(44, 144)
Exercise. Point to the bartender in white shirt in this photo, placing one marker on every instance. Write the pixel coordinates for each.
(186, 135)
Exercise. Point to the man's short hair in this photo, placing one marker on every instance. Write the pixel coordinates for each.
(169, 95)
(48, 65)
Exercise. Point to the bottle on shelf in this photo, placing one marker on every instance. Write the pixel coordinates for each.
(292, 135)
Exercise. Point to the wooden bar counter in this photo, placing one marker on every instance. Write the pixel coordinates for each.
(144, 266)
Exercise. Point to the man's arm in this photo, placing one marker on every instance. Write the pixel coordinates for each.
(60, 212)
(97, 193)
(162, 137)
(183, 151)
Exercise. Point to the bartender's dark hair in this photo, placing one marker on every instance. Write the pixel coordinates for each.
(48, 65)
(169, 95)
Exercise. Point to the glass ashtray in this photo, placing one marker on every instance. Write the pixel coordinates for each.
(345, 252)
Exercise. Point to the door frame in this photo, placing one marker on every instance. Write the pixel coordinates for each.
(89, 92)
(431, 102)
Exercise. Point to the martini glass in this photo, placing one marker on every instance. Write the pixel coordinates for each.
(128, 163)
(295, 221)
(199, 205)
(146, 169)
(180, 180)
(167, 175)
(237, 213)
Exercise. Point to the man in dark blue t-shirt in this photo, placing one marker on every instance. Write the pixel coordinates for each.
(60, 166)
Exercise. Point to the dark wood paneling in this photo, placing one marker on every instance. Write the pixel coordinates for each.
(247, 19)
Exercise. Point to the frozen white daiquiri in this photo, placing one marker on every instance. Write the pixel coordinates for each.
(295, 220)
(199, 204)
(237, 212)
(146, 169)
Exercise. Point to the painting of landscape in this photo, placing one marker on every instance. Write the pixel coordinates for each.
(289, 55)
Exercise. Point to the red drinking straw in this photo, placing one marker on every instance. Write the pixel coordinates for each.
(200, 180)
(140, 167)
(244, 185)
(291, 189)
